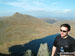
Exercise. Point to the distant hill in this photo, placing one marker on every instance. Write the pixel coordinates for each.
(71, 22)
(49, 20)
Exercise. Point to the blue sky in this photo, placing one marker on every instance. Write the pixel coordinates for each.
(39, 8)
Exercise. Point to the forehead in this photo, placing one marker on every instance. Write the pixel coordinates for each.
(64, 28)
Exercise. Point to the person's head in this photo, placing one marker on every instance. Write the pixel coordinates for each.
(64, 29)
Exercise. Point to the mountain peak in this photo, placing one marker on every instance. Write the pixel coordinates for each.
(18, 14)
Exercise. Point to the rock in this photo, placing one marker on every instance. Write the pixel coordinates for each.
(43, 50)
(28, 53)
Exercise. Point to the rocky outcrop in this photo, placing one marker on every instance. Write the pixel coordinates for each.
(43, 50)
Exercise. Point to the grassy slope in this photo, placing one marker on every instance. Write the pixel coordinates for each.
(20, 29)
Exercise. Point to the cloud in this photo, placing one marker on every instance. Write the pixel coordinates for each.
(19, 4)
(37, 5)
(28, 4)
(67, 10)
(25, 6)
(63, 11)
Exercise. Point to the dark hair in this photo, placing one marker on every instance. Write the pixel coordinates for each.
(66, 25)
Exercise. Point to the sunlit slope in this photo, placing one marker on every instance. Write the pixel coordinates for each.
(22, 27)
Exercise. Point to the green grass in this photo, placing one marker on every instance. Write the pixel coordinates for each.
(1, 43)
